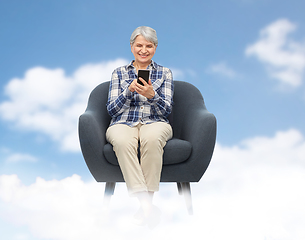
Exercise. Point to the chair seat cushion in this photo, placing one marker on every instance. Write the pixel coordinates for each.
(175, 151)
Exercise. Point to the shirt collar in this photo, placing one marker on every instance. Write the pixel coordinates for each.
(153, 64)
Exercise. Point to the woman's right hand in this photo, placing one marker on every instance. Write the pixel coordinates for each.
(132, 86)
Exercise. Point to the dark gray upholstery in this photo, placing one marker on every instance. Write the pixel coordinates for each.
(186, 156)
(175, 151)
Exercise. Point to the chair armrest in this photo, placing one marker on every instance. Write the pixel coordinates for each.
(91, 136)
(92, 140)
(199, 129)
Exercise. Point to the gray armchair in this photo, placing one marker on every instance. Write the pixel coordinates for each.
(186, 156)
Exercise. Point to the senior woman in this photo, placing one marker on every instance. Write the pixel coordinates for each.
(139, 118)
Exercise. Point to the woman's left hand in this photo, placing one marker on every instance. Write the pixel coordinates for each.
(146, 90)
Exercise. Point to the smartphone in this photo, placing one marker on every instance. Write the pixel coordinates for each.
(143, 74)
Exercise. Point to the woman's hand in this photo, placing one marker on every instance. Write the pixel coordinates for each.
(146, 90)
(132, 86)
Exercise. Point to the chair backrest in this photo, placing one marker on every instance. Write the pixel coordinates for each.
(186, 97)
(97, 102)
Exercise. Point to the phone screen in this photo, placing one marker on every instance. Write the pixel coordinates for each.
(143, 74)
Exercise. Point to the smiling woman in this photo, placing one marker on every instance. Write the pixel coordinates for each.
(143, 42)
(143, 51)
(139, 115)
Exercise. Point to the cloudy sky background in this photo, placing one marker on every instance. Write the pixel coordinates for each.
(247, 57)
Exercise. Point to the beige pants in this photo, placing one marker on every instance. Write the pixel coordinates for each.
(143, 175)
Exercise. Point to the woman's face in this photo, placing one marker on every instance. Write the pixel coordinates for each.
(143, 50)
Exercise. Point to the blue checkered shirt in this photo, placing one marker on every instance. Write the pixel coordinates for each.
(131, 108)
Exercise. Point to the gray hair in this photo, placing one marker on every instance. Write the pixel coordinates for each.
(148, 33)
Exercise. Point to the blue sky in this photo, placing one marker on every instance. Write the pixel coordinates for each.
(247, 57)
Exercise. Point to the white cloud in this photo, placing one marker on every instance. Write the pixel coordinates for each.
(284, 57)
(178, 74)
(222, 69)
(183, 74)
(253, 190)
(65, 209)
(15, 157)
(49, 101)
(21, 157)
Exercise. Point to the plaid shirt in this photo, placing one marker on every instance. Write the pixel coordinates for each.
(131, 108)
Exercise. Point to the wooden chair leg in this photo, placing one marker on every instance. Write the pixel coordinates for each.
(185, 189)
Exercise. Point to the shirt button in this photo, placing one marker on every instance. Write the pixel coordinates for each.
(142, 107)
